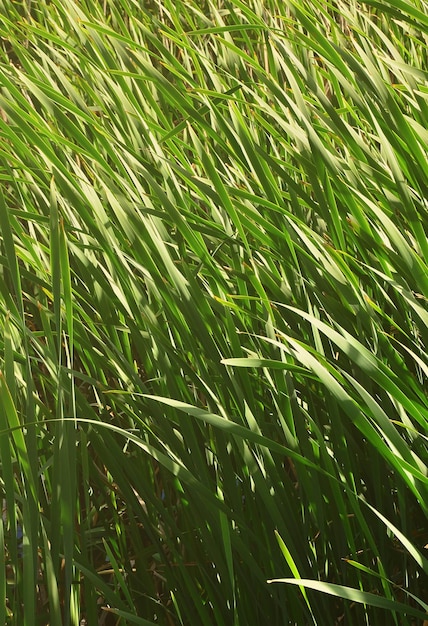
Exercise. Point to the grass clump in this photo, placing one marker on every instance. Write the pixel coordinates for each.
(213, 292)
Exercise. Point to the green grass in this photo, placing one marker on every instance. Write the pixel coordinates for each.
(213, 312)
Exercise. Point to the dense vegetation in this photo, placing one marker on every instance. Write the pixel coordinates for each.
(213, 291)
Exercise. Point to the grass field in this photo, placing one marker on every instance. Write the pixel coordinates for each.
(213, 312)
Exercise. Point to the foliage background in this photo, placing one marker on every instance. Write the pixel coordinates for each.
(213, 312)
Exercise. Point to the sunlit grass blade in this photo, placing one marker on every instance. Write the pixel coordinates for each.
(354, 595)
